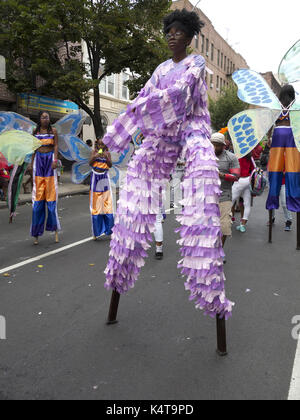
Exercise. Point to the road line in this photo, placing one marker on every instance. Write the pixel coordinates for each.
(294, 393)
(40, 257)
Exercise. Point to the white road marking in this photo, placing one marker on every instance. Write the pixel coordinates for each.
(294, 393)
(40, 257)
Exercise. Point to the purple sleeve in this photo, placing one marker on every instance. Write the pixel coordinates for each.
(162, 111)
(120, 133)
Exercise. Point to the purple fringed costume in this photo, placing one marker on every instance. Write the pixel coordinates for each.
(171, 111)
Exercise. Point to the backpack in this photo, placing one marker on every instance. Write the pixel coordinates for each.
(257, 181)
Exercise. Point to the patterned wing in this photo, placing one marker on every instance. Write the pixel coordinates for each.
(80, 171)
(68, 128)
(296, 105)
(289, 69)
(12, 121)
(120, 162)
(247, 129)
(16, 145)
(254, 90)
(295, 123)
(73, 148)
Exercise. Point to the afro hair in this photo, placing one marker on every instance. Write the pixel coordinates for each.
(189, 22)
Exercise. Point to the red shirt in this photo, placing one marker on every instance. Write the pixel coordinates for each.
(246, 166)
(257, 152)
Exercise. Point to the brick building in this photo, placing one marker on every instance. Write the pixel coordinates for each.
(272, 82)
(220, 57)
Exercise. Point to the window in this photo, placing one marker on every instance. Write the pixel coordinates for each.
(219, 54)
(211, 81)
(203, 41)
(221, 60)
(104, 122)
(207, 47)
(197, 42)
(212, 52)
(107, 85)
(225, 62)
(125, 90)
(218, 82)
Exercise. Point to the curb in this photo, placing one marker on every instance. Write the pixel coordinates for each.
(22, 202)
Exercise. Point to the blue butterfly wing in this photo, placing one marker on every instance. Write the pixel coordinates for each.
(73, 148)
(64, 147)
(80, 171)
(71, 124)
(254, 90)
(248, 128)
(289, 69)
(13, 121)
(120, 162)
(114, 175)
(70, 146)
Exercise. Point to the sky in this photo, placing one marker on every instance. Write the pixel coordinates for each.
(262, 31)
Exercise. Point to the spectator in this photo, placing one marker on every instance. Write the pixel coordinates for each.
(256, 154)
(242, 189)
(229, 173)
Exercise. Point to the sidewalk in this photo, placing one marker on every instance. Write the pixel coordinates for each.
(65, 188)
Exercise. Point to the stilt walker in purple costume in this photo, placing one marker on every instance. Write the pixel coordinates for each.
(171, 111)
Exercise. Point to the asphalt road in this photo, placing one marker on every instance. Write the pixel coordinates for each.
(58, 345)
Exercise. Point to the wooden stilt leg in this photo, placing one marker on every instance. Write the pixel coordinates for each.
(36, 240)
(56, 238)
(113, 310)
(270, 226)
(10, 219)
(221, 337)
(298, 231)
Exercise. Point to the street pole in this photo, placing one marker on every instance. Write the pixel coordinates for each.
(113, 309)
(270, 226)
(221, 337)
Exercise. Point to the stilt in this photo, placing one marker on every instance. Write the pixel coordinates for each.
(221, 337)
(270, 225)
(36, 241)
(10, 219)
(56, 238)
(113, 310)
(298, 231)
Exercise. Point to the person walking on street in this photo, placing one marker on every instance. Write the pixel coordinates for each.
(229, 173)
(242, 189)
(172, 113)
(101, 202)
(45, 184)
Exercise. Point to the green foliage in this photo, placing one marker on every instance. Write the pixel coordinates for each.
(225, 107)
(44, 42)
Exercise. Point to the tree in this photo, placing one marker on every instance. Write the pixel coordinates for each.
(225, 107)
(43, 42)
